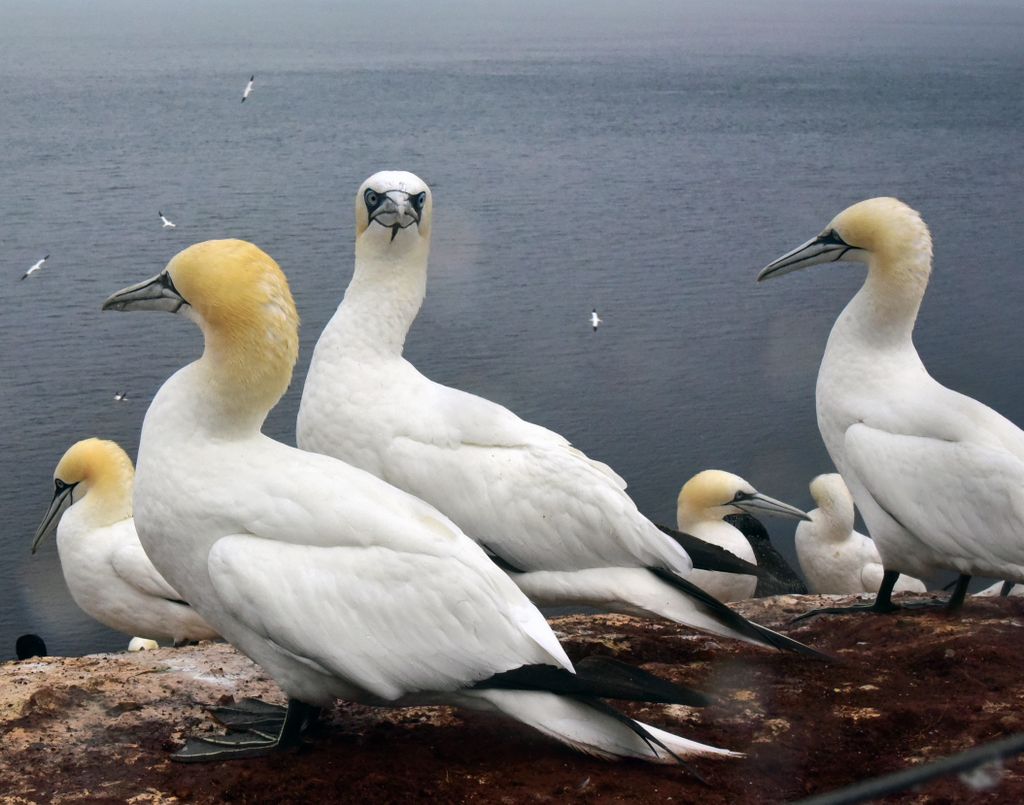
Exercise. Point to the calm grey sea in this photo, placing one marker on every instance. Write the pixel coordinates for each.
(646, 158)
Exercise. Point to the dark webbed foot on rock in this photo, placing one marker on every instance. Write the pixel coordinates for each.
(284, 731)
(250, 714)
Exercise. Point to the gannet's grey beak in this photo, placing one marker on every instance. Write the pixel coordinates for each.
(396, 212)
(826, 248)
(61, 495)
(762, 504)
(157, 293)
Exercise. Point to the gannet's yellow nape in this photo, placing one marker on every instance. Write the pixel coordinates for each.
(883, 232)
(97, 468)
(393, 207)
(240, 298)
(830, 493)
(713, 494)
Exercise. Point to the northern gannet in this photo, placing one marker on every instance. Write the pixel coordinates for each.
(703, 503)
(167, 224)
(248, 88)
(595, 320)
(121, 396)
(937, 476)
(561, 522)
(108, 573)
(35, 267)
(833, 557)
(338, 584)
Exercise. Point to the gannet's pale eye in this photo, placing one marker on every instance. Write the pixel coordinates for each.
(741, 495)
(419, 201)
(372, 199)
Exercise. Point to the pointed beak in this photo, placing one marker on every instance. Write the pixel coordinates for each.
(396, 212)
(826, 248)
(49, 522)
(157, 293)
(762, 504)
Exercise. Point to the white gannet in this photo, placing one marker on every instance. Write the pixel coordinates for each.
(35, 267)
(594, 319)
(338, 584)
(121, 396)
(167, 224)
(561, 522)
(142, 644)
(937, 476)
(833, 557)
(108, 573)
(703, 503)
(248, 88)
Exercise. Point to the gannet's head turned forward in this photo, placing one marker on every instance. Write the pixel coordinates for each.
(239, 297)
(835, 503)
(97, 468)
(881, 232)
(712, 494)
(393, 211)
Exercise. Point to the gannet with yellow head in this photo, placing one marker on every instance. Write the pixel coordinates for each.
(338, 584)
(560, 521)
(107, 571)
(703, 503)
(937, 476)
(834, 558)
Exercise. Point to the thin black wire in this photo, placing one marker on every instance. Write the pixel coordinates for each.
(902, 780)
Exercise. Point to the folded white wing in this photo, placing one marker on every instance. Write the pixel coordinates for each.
(392, 623)
(133, 565)
(961, 498)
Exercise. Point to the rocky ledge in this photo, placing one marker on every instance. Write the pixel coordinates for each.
(904, 689)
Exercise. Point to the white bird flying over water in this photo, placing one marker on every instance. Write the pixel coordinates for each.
(833, 557)
(108, 573)
(248, 88)
(561, 522)
(594, 319)
(35, 267)
(937, 476)
(121, 396)
(167, 224)
(338, 584)
(703, 502)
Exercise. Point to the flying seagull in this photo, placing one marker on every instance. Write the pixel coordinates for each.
(248, 88)
(167, 224)
(35, 267)
(594, 320)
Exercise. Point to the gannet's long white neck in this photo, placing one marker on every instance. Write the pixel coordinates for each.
(382, 299)
(835, 513)
(884, 310)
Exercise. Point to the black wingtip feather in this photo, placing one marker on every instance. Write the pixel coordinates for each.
(706, 556)
(736, 621)
(602, 677)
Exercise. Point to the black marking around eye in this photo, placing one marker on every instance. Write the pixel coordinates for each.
(373, 199)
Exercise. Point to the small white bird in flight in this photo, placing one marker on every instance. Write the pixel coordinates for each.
(703, 503)
(107, 571)
(35, 267)
(121, 396)
(937, 476)
(594, 319)
(338, 584)
(834, 558)
(167, 224)
(248, 88)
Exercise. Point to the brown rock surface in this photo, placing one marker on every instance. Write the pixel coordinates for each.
(907, 688)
